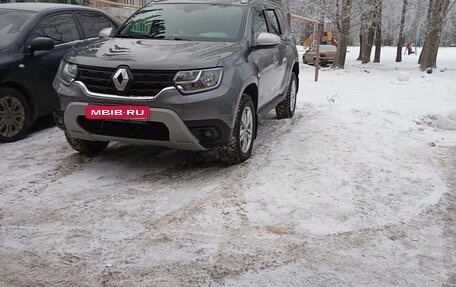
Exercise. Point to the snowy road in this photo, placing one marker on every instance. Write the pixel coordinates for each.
(358, 189)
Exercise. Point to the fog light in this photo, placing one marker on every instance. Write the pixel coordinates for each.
(208, 133)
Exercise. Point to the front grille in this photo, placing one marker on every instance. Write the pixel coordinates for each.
(146, 83)
(125, 129)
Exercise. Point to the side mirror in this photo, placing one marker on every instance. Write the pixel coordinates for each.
(41, 44)
(267, 39)
(106, 32)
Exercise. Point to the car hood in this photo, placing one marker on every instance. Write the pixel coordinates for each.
(153, 54)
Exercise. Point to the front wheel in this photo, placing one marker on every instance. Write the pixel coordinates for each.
(239, 147)
(286, 108)
(85, 147)
(15, 116)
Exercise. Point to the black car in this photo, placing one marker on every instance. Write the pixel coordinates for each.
(33, 39)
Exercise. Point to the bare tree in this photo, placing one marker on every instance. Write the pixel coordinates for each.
(362, 30)
(449, 31)
(415, 19)
(378, 30)
(344, 34)
(369, 32)
(438, 10)
(400, 42)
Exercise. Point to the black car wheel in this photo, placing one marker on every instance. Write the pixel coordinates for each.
(14, 115)
(286, 108)
(85, 147)
(239, 147)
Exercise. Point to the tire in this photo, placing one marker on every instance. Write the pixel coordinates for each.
(239, 147)
(286, 108)
(15, 115)
(85, 147)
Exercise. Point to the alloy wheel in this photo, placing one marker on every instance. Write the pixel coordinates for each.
(246, 129)
(12, 116)
(293, 95)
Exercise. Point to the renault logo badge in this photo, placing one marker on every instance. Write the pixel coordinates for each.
(121, 78)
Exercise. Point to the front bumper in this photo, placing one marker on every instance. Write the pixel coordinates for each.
(179, 136)
(195, 122)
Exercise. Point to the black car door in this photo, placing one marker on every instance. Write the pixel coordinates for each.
(62, 28)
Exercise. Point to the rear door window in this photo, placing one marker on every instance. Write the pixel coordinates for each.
(93, 23)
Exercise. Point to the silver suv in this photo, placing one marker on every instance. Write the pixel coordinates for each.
(183, 75)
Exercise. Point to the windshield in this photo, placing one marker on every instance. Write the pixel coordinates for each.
(12, 22)
(191, 22)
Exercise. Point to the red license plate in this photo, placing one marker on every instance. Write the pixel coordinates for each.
(95, 112)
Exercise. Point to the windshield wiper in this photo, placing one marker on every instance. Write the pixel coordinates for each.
(131, 36)
(176, 39)
(122, 36)
(152, 38)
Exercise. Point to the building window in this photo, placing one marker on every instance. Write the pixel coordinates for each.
(128, 2)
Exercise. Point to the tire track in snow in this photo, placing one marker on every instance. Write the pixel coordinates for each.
(234, 181)
(242, 246)
(228, 198)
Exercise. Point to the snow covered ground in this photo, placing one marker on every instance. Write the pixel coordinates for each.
(358, 189)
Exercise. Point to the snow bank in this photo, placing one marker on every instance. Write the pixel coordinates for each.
(440, 122)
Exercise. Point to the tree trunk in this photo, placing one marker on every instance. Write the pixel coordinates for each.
(362, 29)
(428, 26)
(437, 13)
(367, 44)
(369, 33)
(344, 34)
(400, 43)
(337, 16)
(378, 32)
(360, 56)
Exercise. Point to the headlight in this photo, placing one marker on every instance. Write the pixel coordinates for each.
(198, 80)
(67, 72)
